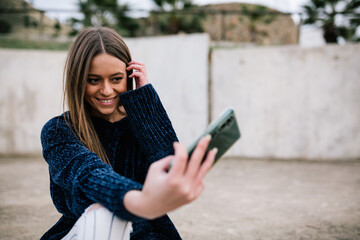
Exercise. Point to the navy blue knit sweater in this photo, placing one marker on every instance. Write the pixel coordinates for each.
(79, 178)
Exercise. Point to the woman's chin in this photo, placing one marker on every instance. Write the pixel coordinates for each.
(106, 115)
(111, 116)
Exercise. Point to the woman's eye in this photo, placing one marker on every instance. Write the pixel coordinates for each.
(93, 80)
(117, 79)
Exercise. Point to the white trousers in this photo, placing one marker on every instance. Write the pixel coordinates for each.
(99, 224)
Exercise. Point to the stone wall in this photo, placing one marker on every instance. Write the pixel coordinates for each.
(229, 22)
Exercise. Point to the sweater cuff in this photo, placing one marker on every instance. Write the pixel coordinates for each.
(142, 94)
(106, 187)
(150, 122)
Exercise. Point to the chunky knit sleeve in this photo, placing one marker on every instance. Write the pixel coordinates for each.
(150, 122)
(79, 176)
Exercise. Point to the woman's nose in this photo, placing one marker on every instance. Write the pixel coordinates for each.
(106, 89)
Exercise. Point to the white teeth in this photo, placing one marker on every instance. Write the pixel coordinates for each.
(106, 101)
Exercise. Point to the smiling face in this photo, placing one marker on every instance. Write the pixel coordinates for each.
(106, 81)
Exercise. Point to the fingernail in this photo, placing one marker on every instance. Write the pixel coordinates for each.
(215, 150)
(208, 137)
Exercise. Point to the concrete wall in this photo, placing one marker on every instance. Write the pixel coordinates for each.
(291, 102)
(31, 87)
(30, 94)
(178, 68)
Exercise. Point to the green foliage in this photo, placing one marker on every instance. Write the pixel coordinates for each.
(174, 16)
(26, 21)
(5, 26)
(336, 18)
(126, 26)
(57, 28)
(30, 22)
(57, 25)
(257, 15)
(27, 44)
(173, 5)
(106, 3)
(104, 13)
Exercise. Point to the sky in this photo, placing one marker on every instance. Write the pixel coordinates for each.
(293, 6)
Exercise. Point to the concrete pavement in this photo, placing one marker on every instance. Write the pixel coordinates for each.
(243, 199)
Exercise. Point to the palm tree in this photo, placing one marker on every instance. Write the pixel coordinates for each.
(257, 15)
(105, 13)
(174, 16)
(336, 18)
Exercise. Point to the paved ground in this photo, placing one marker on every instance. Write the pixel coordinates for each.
(244, 199)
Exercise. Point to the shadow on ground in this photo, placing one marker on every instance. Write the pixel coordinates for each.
(243, 199)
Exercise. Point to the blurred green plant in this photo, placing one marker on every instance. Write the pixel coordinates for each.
(257, 15)
(337, 18)
(175, 16)
(5, 26)
(105, 13)
(27, 21)
(57, 28)
(30, 22)
(32, 44)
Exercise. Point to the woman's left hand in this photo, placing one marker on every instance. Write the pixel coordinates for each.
(165, 190)
(139, 73)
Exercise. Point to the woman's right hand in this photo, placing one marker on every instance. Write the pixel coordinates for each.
(139, 73)
(163, 190)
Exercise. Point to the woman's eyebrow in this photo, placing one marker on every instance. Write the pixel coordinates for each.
(118, 73)
(93, 75)
(114, 74)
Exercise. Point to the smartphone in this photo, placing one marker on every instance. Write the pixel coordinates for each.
(224, 133)
(131, 83)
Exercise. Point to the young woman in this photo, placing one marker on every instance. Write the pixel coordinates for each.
(109, 155)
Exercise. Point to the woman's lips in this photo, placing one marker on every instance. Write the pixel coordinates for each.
(106, 102)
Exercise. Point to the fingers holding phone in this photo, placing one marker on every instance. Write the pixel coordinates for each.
(196, 158)
(178, 165)
(186, 174)
(200, 163)
(190, 165)
(139, 73)
(164, 191)
(190, 171)
(206, 164)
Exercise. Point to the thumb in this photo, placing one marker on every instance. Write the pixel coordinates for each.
(180, 159)
(163, 164)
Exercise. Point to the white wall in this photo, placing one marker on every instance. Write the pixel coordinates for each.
(30, 94)
(311, 36)
(31, 87)
(291, 102)
(178, 68)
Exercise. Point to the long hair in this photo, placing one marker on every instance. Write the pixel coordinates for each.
(89, 43)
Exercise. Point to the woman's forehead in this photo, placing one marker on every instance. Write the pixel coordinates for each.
(104, 62)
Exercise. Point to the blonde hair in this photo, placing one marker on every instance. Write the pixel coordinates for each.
(89, 43)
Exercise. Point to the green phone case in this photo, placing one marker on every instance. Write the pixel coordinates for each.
(224, 133)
